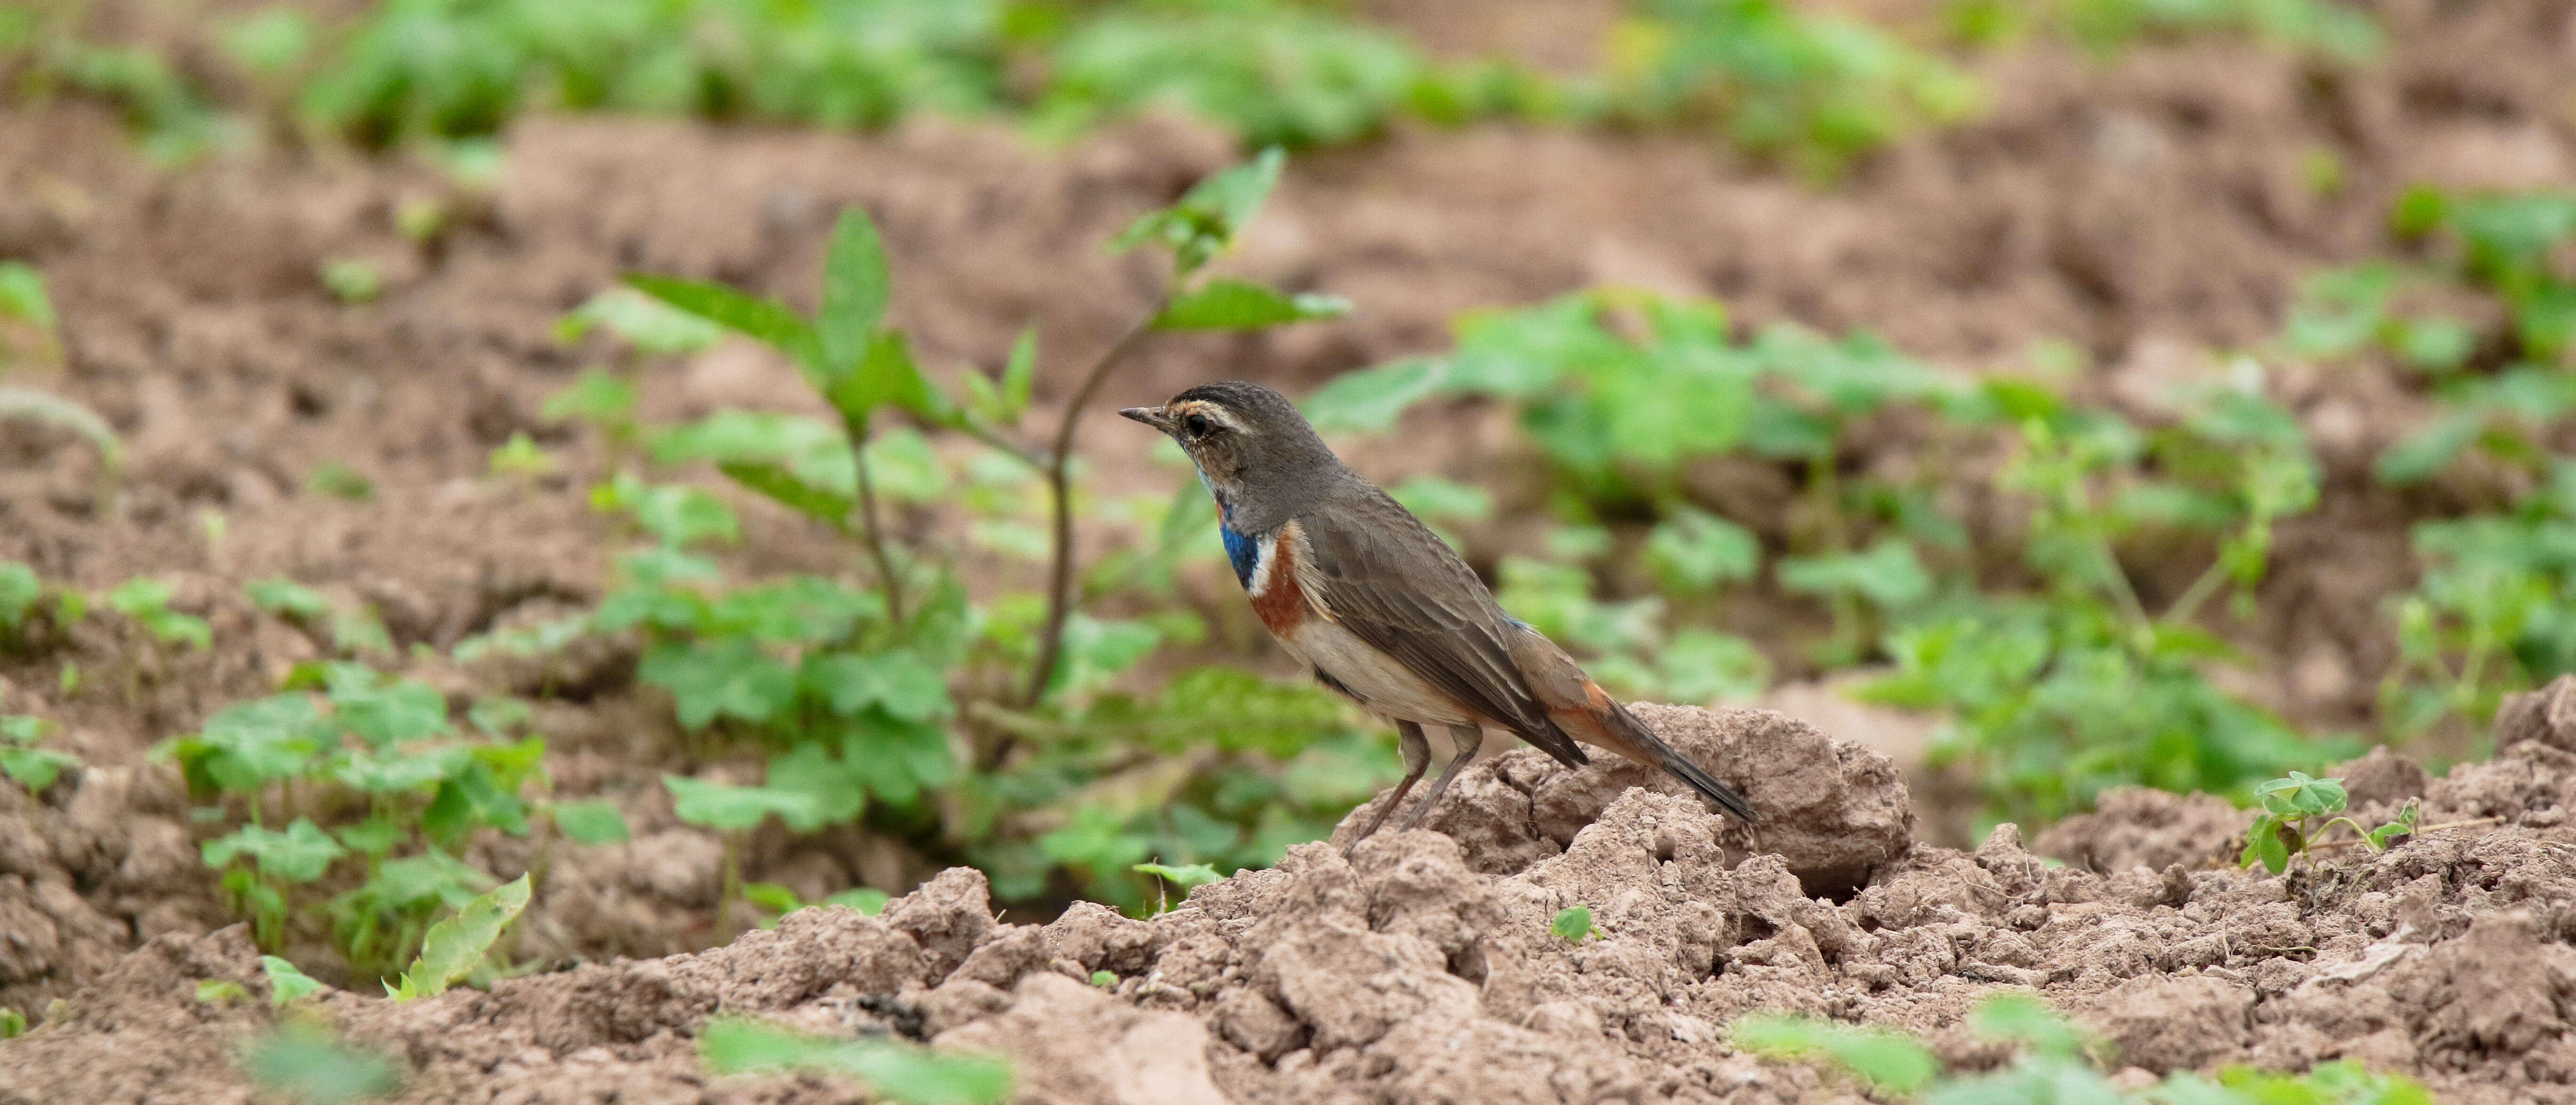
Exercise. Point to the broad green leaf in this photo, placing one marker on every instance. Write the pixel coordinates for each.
(835, 794)
(1573, 924)
(651, 325)
(899, 682)
(19, 592)
(1889, 1061)
(386, 712)
(1888, 574)
(898, 1072)
(729, 677)
(147, 601)
(297, 855)
(886, 374)
(728, 808)
(285, 598)
(856, 288)
(1186, 877)
(797, 495)
(765, 320)
(454, 947)
(2427, 451)
(35, 768)
(303, 1061)
(1019, 375)
(1692, 550)
(591, 821)
(1240, 305)
(22, 295)
(1369, 400)
(597, 395)
(866, 899)
(285, 983)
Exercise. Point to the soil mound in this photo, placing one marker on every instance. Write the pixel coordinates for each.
(1422, 968)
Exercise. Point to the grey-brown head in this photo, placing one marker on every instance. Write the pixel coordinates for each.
(1257, 454)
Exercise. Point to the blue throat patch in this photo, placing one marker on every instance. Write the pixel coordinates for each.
(1242, 550)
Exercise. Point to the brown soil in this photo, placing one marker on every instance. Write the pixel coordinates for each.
(1422, 969)
(2141, 210)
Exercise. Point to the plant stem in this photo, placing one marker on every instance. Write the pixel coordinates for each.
(730, 890)
(2189, 602)
(2421, 830)
(1059, 462)
(871, 532)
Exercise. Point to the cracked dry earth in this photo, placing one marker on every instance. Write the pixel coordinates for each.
(1422, 969)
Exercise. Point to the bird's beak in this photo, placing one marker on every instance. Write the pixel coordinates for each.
(1151, 416)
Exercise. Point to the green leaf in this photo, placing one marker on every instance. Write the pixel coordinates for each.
(765, 320)
(2264, 845)
(728, 808)
(1019, 375)
(216, 991)
(1206, 220)
(1889, 1061)
(1370, 400)
(597, 396)
(898, 1072)
(300, 854)
(303, 1062)
(147, 601)
(1573, 924)
(2025, 1020)
(835, 794)
(35, 768)
(22, 295)
(1186, 877)
(898, 681)
(729, 677)
(19, 592)
(1692, 550)
(1888, 574)
(866, 899)
(2427, 451)
(285, 983)
(2403, 826)
(856, 288)
(649, 324)
(591, 821)
(1104, 979)
(454, 947)
(887, 374)
(285, 598)
(1238, 305)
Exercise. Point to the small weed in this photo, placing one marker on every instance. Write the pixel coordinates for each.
(304, 1061)
(31, 767)
(2290, 805)
(353, 281)
(1573, 924)
(897, 1072)
(13, 1023)
(455, 947)
(340, 481)
(2053, 1062)
(286, 985)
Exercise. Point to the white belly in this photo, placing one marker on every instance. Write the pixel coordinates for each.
(1383, 686)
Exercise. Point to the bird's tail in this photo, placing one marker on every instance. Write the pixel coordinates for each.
(1608, 724)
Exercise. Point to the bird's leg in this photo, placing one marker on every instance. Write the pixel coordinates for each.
(1417, 758)
(1466, 737)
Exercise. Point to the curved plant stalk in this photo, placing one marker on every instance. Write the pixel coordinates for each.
(1059, 476)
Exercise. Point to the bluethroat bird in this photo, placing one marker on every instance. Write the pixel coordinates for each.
(1381, 609)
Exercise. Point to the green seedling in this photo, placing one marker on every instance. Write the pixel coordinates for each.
(13, 1023)
(353, 281)
(1104, 980)
(519, 459)
(24, 302)
(736, 810)
(304, 1061)
(1573, 924)
(340, 481)
(456, 946)
(147, 602)
(895, 1071)
(1185, 877)
(2290, 821)
(352, 632)
(220, 991)
(286, 985)
(31, 767)
(2053, 1062)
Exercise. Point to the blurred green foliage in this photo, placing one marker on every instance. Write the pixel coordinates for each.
(2055, 680)
(2053, 1062)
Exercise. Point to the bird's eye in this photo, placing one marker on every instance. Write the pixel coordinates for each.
(1196, 424)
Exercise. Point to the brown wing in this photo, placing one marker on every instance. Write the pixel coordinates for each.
(1380, 573)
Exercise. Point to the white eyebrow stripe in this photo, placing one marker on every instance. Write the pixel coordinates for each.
(1218, 414)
